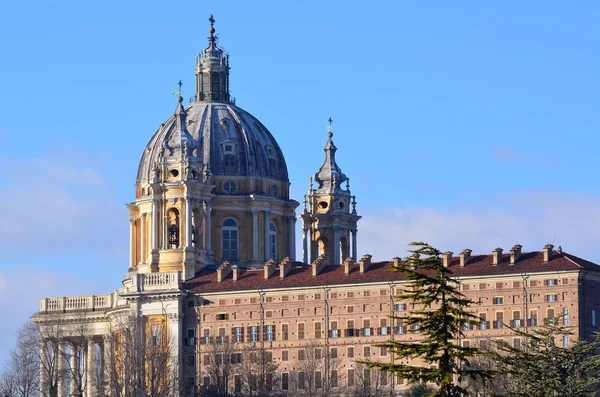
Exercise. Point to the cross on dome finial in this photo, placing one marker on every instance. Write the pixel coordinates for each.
(212, 28)
(179, 92)
(329, 133)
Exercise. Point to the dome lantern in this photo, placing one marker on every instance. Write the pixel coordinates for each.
(212, 71)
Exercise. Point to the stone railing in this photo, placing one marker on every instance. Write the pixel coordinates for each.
(156, 281)
(73, 303)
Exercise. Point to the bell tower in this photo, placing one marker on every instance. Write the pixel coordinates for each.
(329, 217)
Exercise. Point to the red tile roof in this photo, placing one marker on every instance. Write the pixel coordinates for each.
(301, 274)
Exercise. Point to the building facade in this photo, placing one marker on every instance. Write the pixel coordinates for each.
(213, 296)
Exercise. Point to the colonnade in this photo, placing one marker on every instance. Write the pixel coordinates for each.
(197, 220)
(310, 248)
(69, 368)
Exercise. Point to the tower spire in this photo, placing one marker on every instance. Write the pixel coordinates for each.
(330, 176)
(212, 71)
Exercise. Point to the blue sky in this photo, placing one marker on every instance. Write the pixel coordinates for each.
(466, 124)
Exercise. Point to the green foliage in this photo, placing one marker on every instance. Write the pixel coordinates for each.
(540, 367)
(440, 312)
(418, 390)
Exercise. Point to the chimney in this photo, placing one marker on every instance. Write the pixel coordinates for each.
(284, 268)
(559, 249)
(397, 262)
(496, 256)
(236, 272)
(318, 265)
(413, 260)
(547, 252)
(465, 257)
(447, 258)
(269, 267)
(515, 253)
(365, 263)
(223, 271)
(348, 265)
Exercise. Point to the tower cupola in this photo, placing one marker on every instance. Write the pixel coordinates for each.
(329, 213)
(212, 71)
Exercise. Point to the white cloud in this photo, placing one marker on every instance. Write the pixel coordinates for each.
(57, 203)
(529, 218)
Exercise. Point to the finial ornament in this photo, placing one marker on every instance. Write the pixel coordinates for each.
(305, 202)
(348, 184)
(211, 30)
(329, 133)
(354, 205)
(179, 92)
(310, 184)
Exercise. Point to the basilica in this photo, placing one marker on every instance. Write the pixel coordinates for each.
(215, 298)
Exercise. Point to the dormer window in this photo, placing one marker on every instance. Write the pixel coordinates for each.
(228, 147)
(230, 187)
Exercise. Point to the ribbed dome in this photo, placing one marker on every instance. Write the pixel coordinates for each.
(229, 139)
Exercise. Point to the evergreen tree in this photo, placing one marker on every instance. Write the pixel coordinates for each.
(441, 311)
(540, 367)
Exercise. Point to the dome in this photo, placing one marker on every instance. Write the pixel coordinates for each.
(225, 137)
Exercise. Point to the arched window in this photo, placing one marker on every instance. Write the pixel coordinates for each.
(173, 229)
(272, 240)
(229, 240)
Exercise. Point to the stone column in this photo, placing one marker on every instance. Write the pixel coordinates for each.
(208, 225)
(266, 221)
(176, 345)
(142, 238)
(132, 263)
(305, 245)
(90, 370)
(61, 373)
(255, 255)
(354, 244)
(336, 246)
(292, 237)
(74, 369)
(154, 226)
(188, 223)
(43, 367)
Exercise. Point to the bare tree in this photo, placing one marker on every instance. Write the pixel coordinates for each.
(218, 364)
(315, 370)
(258, 371)
(371, 382)
(139, 358)
(22, 375)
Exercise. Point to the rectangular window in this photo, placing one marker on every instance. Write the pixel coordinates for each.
(350, 352)
(498, 300)
(383, 352)
(237, 381)
(551, 282)
(565, 316)
(252, 300)
(238, 334)
(269, 314)
(367, 351)
(318, 380)
(383, 292)
(334, 378)
(301, 331)
(333, 353)
(333, 295)
(516, 322)
(300, 297)
(318, 353)
(499, 323)
(551, 298)
(482, 286)
(285, 355)
(400, 307)
(550, 317)
(222, 317)
(350, 295)
(155, 337)
(284, 332)
(317, 330)
(253, 334)
(191, 337)
(566, 340)
(366, 293)
(516, 284)
(350, 377)
(483, 321)
(334, 332)
(350, 328)
(499, 285)
(532, 318)
(349, 309)
(366, 378)
(301, 355)
(285, 381)
(270, 333)
(301, 380)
